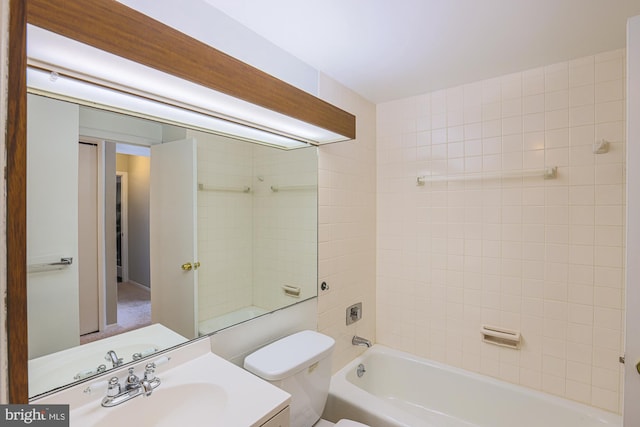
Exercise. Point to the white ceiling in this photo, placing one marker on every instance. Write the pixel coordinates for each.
(390, 49)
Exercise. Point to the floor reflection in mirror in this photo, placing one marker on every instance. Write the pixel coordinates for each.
(134, 311)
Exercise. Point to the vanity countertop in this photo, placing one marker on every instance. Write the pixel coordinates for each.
(198, 388)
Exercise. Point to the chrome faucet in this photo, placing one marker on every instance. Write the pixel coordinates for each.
(112, 357)
(360, 341)
(133, 387)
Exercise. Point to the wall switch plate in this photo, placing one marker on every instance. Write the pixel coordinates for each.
(354, 313)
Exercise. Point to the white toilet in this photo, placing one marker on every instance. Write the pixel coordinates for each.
(300, 364)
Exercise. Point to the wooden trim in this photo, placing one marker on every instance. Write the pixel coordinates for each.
(118, 29)
(16, 174)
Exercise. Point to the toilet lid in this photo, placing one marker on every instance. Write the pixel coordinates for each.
(289, 355)
(349, 423)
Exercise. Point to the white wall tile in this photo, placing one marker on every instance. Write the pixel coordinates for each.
(581, 95)
(512, 125)
(541, 256)
(556, 77)
(557, 100)
(609, 70)
(512, 107)
(533, 104)
(534, 122)
(611, 111)
(439, 102)
(438, 120)
(557, 119)
(491, 91)
(578, 391)
(612, 90)
(582, 135)
(582, 115)
(582, 72)
(533, 82)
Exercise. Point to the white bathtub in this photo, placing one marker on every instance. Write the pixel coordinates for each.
(399, 389)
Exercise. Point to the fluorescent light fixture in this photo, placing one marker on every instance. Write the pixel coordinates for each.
(100, 79)
(71, 89)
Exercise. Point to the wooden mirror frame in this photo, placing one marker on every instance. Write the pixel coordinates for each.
(118, 29)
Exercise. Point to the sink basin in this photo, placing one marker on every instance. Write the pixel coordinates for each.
(186, 404)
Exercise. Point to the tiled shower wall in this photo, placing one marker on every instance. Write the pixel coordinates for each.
(225, 225)
(544, 257)
(285, 225)
(251, 244)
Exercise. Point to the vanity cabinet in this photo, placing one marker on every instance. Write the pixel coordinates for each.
(281, 419)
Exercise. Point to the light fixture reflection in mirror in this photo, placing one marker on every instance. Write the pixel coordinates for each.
(252, 246)
(41, 81)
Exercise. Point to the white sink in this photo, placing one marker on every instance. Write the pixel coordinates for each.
(182, 405)
(198, 388)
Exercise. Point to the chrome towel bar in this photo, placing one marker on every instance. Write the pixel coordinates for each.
(50, 266)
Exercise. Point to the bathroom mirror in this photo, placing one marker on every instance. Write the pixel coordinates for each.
(126, 289)
(118, 30)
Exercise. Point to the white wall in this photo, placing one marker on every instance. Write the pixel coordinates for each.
(138, 174)
(138, 209)
(632, 342)
(541, 256)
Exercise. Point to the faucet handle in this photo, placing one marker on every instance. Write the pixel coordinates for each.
(114, 387)
(132, 380)
(149, 371)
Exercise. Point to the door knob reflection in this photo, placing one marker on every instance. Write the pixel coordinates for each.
(187, 266)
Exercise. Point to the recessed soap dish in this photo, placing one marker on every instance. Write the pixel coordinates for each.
(500, 336)
(291, 291)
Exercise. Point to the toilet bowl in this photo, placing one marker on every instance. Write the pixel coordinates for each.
(300, 364)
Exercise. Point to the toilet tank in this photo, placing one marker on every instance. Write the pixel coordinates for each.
(300, 364)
